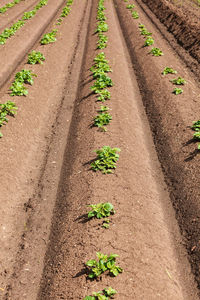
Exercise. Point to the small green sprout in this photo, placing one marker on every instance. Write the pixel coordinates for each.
(178, 81)
(168, 70)
(177, 91)
(102, 120)
(130, 6)
(103, 95)
(25, 76)
(7, 109)
(156, 52)
(101, 210)
(104, 108)
(149, 41)
(135, 14)
(103, 264)
(102, 295)
(35, 57)
(101, 82)
(107, 158)
(18, 89)
(106, 223)
(102, 26)
(49, 37)
(196, 128)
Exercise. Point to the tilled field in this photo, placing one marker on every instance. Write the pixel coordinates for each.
(48, 147)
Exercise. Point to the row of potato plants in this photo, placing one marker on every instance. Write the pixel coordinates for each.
(25, 77)
(179, 81)
(107, 157)
(9, 32)
(4, 8)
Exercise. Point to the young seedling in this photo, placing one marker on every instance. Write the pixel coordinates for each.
(168, 70)
(196, 125)
(149, 41)
(178, 81)
(156, 52)
(104, 108)
(101, 210)
(107, 158)
(35, 57)
(7, 109)
(106, 224)
(177, 91)
(102, 295)
(130, 6)
(103, 95)
(135, 14)
(141, 26)
(104, 264)
(18, 89)
(25, 76)
(145, 32)
(102, 120)
(196, 128)
(102, 42)
(101, 82)
(102, 26)
(49, 37)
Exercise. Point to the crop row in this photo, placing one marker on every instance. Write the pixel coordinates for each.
(25, 77)
(4, 8)
(8, 32)
(107, 157)
(179, 81)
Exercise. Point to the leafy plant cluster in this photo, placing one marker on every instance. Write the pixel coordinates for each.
(149, 41)
(102, 295)
(101, 211)
(102, 119)
(134, 13)
(49, 37)
(106, 160)
(8, 32)
(196, 128)
(102, 26)
(65, 12)
(18, 88)
(103, 81)
(7, 109)
(105, 263)
(176, 81)
(4, 8)
(35, 57)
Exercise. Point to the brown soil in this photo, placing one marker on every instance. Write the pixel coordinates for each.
(46, 181)
(182, 20)
(15, 13)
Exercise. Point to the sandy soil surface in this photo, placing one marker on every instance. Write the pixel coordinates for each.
(47, 148)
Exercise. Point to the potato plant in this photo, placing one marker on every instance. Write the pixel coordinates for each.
(7, 109)
(35, 57)
(4, 8)
(105, 263)
(106, 294)
(8, 32)
(106, 160)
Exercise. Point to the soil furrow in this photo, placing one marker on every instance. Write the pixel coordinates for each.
(13, 15)
(25, 217)
(46, 152)
(182, 22)
(169, 119)
(17, 46)
(137, 190)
